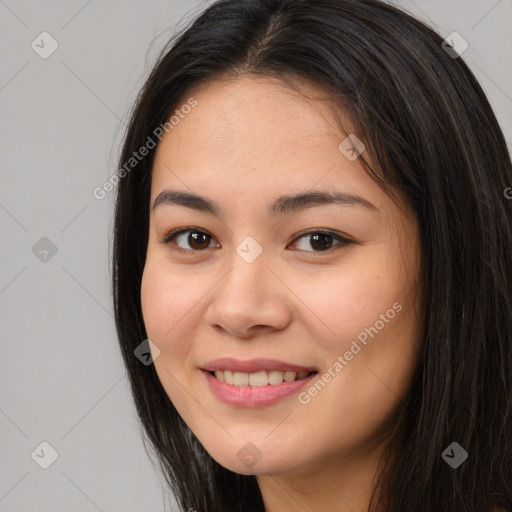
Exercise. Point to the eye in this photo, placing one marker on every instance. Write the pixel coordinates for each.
(323, 240)
(198, 240)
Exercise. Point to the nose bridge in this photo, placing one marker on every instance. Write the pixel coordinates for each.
(248, 272)
(248, 295)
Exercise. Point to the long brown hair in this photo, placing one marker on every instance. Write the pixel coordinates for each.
(426, 122)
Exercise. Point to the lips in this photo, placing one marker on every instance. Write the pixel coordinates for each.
(254, 366)
(254, 396)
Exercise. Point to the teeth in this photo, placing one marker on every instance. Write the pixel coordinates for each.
(258, 379)
(262, 378)
(289, 376)
(275, 377)
(241, 379)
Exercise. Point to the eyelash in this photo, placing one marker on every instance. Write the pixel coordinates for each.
(169, 238)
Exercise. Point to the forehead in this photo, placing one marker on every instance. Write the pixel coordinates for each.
(257, 130)
(257, 110)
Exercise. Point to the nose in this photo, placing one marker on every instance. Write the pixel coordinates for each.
(249, 300)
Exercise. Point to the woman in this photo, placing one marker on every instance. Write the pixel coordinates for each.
(313, 246)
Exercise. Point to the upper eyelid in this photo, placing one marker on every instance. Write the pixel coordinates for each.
(171, 236)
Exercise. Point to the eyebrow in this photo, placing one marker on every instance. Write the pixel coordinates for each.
(282, 205)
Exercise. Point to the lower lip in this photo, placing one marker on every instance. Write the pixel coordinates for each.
(254, 396)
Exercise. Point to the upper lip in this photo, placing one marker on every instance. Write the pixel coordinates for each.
(254, 365)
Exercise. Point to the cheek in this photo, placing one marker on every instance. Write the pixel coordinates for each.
(166, 293)
(167, 308)
(343, 302)
(154, 303)
(168, 318)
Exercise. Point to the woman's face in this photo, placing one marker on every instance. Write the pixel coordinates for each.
(263, 279)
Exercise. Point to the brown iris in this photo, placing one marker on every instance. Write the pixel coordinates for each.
(201, 239)
(321, 241)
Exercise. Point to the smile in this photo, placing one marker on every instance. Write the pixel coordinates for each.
(258, 379)
(261, 393)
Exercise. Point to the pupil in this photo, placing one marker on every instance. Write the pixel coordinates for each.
(194, 237)
(321, 241)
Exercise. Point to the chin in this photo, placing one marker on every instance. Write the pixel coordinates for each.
(252, 458)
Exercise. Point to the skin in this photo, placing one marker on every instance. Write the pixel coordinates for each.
(248, 141)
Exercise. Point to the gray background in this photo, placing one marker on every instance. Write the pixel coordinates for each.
(61, 375)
